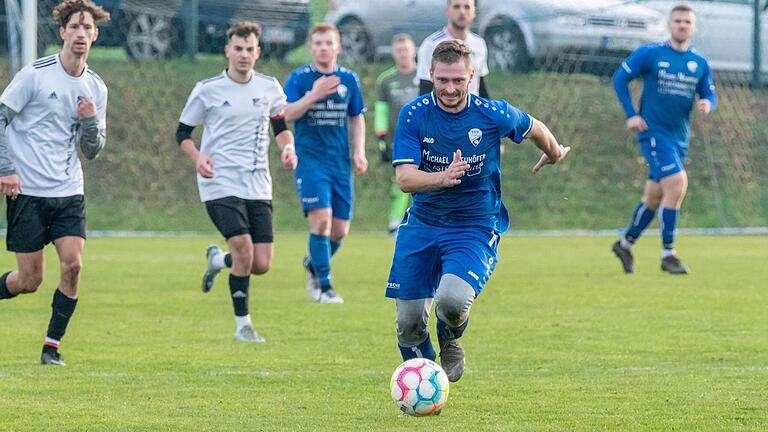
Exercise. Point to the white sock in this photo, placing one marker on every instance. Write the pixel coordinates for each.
(218, 260)
(626, 244)
(667, 252)
(242, 321)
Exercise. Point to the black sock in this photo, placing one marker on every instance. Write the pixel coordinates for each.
(4, 293)
(238, 287)
(228, 260)
(62, 309)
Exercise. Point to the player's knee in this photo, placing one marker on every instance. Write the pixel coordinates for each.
(453, 300)
(29, 283)
(71, 267)
(411, 332)
(261, 265)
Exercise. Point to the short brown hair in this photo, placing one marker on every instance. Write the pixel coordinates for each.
(402, 37)
(64, 11)
(244, 29)
(681, 8)
(325, 27)
(450, 52)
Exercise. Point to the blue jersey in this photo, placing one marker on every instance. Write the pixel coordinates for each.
(671, 80)
(322, 133)
(428, 136)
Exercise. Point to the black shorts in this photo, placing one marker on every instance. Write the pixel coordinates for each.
(33, 222)
(235, 216)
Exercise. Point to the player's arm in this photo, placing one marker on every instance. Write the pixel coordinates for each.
(381, 126)
(284, 140)
(93, 134)
(321, 89)
(357, 136)
(547, 143)
(631, 68)
(707, 95)
(203, 163)
(410, 179)
(10, 184)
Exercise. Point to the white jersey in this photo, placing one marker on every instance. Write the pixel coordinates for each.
(236, 135)
(473, 41)
(43, 135)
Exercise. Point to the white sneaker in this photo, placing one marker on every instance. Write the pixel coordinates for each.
(248, 334)
(330, 296)
(313, 285)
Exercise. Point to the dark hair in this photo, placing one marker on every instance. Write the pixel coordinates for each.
(450, 52)
(64, 11)
(243, 29)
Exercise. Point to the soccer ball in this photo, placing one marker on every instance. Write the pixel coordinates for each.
(419, 387)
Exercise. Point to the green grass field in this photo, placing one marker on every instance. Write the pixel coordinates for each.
(560, 340)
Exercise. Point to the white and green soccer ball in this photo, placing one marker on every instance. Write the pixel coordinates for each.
(419, 387)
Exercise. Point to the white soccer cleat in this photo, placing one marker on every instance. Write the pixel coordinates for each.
(209, 276)
(313, 285)
(248, 334)
(329, 296)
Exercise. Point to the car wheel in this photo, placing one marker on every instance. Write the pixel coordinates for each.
(148, 37)
(355, 42)
(506, 47)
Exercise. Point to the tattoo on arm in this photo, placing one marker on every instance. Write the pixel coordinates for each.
(92, 137)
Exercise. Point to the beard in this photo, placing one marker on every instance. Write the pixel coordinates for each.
(460, 96)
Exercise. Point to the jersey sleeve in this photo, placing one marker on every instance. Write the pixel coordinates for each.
(706, 88)
(356, 104)
(292, 90)
(424, 60)
(483, 69)
(20, 91)
(277, 100)
(407, 146)
(514, 124)
(634, 66)
(193, 113)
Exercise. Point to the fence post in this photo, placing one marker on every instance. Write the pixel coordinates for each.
(756, 47)
(29, 32)
(192, 24)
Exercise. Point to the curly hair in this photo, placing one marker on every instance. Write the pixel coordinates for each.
(244, 29)
(64, 11)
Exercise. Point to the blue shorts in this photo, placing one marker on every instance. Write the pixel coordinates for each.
(664, 157)
(424, 253)
(318, 190)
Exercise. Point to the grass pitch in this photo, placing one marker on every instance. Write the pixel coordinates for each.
(560, 340)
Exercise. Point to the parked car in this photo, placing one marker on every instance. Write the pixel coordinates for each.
(517, 32)
(724, 32)
(150, 30)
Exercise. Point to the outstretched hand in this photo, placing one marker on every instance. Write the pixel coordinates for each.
(545, 160)
(452, 175)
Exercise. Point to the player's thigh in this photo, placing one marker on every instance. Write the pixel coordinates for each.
(262, 257)
(229, 215)
(471, 255)
(260, 221)
(339, 228)
(314, 190)
(416, 264)
(27, 230)
(67, 217)
(342, 198)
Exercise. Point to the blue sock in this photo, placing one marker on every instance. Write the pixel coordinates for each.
(320, 254)
(641, 217)
(668, 219)
(334, 247)
(422, 350)
(446, 332)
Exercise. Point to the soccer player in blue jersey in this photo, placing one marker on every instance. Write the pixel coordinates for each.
(326, 102)
(672, 73)
(447, 154)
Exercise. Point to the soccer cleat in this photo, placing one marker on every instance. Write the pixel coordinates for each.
(625, 256)
(330, 296)
(672, 265)
(452, 358)
(51, 358)
(209, 276)
(248, 334)
(313, 285)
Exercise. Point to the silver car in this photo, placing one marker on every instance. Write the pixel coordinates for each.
(724, 32)
(518, 32)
